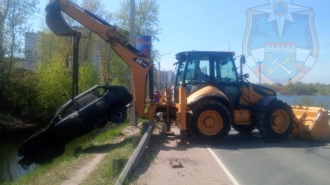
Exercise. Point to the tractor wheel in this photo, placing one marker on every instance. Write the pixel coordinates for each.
(209, 122)
(244, 129)
(276, 121)
(118, 115)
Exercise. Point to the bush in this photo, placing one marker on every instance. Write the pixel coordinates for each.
(54, 86)
(20, 96)
(88, 76)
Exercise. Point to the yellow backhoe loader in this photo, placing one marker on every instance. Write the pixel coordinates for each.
(211, 94)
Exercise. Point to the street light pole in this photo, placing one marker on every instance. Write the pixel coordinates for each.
(259, 72)
(132, 115)
(159, 76)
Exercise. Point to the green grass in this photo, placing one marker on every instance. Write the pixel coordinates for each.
(76, 154)
(104, 172)
(109, 134)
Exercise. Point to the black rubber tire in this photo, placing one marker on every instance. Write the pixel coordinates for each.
(244, 129)
(266, 120)
(215, 108)
(118, 115)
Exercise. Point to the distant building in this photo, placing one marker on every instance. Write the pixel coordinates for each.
(166, 78)
(30, 51)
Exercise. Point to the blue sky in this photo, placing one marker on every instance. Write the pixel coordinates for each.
(216, 25)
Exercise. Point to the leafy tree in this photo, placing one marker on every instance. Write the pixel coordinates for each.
(146, 17)
(96, 46)
(120, 71)
(22, 94)
(14, 15)
(88, 76)
(54, 85)
(106, 54)
(146, 22)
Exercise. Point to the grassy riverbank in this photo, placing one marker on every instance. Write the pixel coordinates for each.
(81, 151)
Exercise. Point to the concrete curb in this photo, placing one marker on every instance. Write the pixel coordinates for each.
(138, 152)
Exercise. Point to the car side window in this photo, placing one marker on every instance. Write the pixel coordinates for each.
(87, 99)
(64, 112)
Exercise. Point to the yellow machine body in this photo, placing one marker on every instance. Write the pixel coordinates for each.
(311, 123)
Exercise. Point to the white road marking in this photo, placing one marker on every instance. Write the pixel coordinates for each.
(222, 166)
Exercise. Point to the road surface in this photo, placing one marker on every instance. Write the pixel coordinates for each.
(252, 160)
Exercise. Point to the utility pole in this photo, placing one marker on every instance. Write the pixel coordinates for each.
(259, 72)
(164, 77)
(159, 75)
(132, 115)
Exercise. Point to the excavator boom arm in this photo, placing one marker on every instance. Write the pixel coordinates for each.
(138, 63)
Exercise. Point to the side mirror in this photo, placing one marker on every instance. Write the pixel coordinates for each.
(242, 59)
(246, 75)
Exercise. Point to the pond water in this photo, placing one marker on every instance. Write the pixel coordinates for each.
(317, 101)
(10, 170)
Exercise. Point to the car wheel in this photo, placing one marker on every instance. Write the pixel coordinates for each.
(118, 115)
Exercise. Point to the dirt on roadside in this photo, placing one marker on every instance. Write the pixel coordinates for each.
(166, 162)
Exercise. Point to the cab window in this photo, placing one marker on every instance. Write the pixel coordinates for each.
(224, 70)
(198, 70)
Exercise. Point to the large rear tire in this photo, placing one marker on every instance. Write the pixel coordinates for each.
(209, 122)
(276, 121)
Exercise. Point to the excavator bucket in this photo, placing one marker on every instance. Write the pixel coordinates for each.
(55, 20)
(311, 123)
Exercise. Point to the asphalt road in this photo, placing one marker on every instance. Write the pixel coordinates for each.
(252, 160)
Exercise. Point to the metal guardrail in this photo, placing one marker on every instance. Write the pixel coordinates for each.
(138, 152)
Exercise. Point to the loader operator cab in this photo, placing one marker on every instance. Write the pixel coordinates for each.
(197, 69)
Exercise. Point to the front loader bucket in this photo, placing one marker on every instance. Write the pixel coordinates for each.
(311, 123)
(55, 20)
